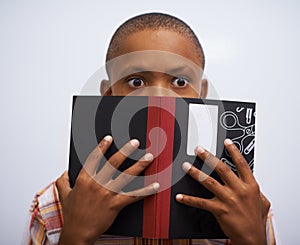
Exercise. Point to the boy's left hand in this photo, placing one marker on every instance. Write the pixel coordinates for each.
(239, 207)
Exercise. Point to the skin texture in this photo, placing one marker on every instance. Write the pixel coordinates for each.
(89, 208)
(161, 83)
(239, 206)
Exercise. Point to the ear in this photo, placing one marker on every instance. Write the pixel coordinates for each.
(105, 88)
(204, 88)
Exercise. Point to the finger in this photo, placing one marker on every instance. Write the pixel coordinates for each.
(115, 161)
(136, 195)
(63, 186)
(224, 171)
(96, 155)
(197, 202)
(129, 174)
(240, 162)
(208, 182)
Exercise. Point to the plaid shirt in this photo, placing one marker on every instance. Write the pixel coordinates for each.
(46, 219)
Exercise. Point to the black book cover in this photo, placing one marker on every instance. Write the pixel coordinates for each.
(170, 128)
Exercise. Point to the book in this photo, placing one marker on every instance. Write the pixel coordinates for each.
(170, 128)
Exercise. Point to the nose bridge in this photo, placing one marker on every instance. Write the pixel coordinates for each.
(154, 91)
(160, 85)
(158, 90)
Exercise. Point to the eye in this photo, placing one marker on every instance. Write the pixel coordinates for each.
(180, 82)
(136, 82)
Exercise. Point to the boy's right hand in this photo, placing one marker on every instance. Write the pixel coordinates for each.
(90, 208)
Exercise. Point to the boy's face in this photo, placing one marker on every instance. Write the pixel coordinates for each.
(155, 63)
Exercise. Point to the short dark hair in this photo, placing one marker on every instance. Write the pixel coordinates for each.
(153, 21)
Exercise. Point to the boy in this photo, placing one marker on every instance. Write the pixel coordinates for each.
(163, 53)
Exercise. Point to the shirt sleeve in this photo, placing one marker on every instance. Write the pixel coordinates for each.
(45, 218)
(35, 227)
(45, 222)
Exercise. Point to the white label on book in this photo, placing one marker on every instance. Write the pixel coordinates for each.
(202, 127)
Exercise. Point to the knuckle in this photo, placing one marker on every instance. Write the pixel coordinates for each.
(232, 199)
(112, 163)
(211, 181)
(106, 193)
(187, 200)
(208, 157)
(211, 161)
(102, 191)
(103, 145)
(80, 181)
(202, 177)
(255, 188)
(126, 177)
(222, 168)
(147, 191)
(200, 203)
(143, 164)
(127, 149)
(243, 192)
(241, 161)
(95, 154)
(194, 172)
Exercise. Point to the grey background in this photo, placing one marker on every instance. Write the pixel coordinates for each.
(48, 50)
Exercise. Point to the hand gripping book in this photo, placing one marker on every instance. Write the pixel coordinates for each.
(170, 128)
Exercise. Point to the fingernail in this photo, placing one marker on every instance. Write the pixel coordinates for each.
(134, 142)
(156, 186)
(199, 149)
(148, 157)
(108, 138)
(186, 166)
(228, 142)
(179, 197)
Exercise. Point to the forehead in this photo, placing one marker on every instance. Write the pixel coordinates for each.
(155, 50)
(161, 39)
(153, 61)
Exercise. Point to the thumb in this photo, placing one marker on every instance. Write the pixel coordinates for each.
(63, 186)
(265, 206)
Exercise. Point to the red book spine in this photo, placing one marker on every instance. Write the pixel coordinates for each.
(160, 141)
